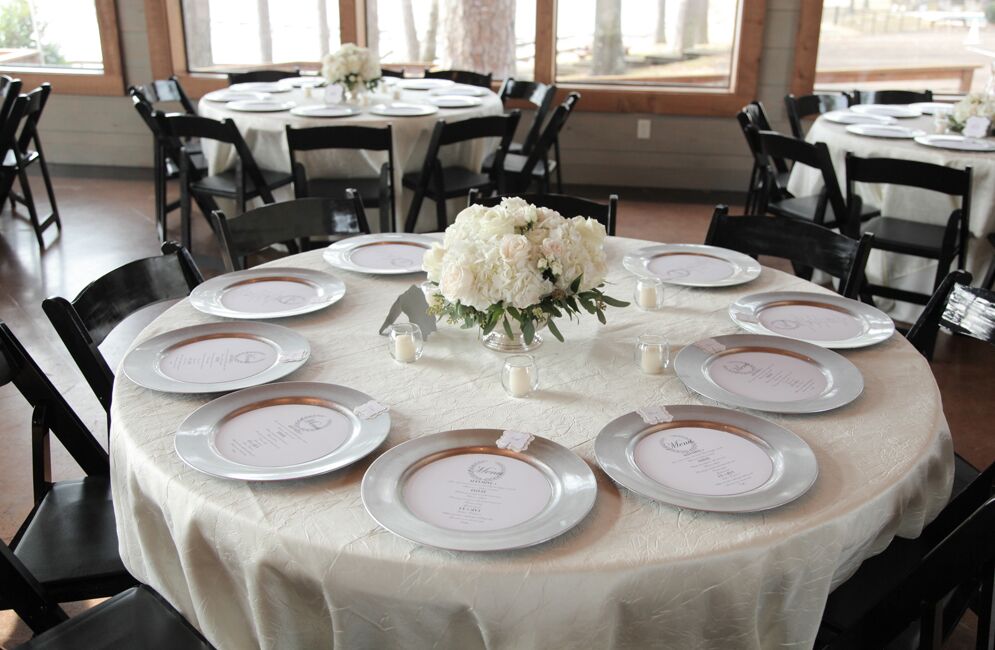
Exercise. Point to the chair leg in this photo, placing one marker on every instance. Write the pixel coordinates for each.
(559, 167)
(441, 215)
(185, 237)
(985, 608)
(48, 185)
(413, 210)
(29, 202)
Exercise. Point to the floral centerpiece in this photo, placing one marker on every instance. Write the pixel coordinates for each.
(514, 268)
(352, 67)
(973, 105)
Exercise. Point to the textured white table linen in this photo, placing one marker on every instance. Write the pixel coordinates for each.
(265, 134)
(891, 269)
(301, 564)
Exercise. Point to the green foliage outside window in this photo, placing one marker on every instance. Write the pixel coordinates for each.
(19, 30)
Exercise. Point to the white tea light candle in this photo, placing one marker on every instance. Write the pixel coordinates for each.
(649, 294)
(652, 353)
(404, 348)
(520, 377)
(405, 343)
(519, 384)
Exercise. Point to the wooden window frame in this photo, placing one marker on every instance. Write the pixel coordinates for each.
(67, 81)
(168, 57)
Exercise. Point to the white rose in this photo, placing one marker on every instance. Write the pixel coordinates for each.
(591, 232)
(456, 282)
(432, 261)
(493, 222)
(515, 249)
(371, 69)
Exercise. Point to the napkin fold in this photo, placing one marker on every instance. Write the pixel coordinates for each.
(413, 304)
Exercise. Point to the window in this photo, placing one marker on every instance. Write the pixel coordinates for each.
(646, 42)
(74, 45)
(233, 34)
(691, 57)
(944, 46)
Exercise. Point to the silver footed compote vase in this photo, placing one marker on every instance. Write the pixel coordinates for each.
(499, 341)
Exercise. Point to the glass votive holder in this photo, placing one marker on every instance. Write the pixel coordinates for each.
(649, 294)
(520, 376)
(405, 342)
(652, 353)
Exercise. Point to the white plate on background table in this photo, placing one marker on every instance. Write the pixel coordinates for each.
(270, 292)
(461, 89)
(891, 131)
(692, 265)
(260, 106)
(303, 82)
(282, 431)
(957, 143)
(403, 109)
(228, 95)
(457, 490)
(424, 84)
(707, 458)
(932, 108)
(849, 117)
(325, 110)
(888, 110)
(454, 101)
(769, 373)
(828, 320)
(261, 87)
(380, 253)
(216, 357)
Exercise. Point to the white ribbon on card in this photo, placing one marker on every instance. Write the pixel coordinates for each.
(370, 410)
(711, 346)
(294, 358)
(515, 440)
(654, 414)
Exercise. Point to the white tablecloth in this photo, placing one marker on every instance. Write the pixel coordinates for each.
(301, 564)
(904, 271)
(265, 133)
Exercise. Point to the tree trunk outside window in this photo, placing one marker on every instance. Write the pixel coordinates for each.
(480, 36)
(608, 55)
(265, 32)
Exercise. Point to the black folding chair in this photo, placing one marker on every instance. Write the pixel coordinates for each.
(241, 184)
(165, 91)
(288, 222)
(375, 192)
(922, 587)
(521, 171)
(541, 97)
(568, 206)
(264, 76)
(894, 234)
(18, 158)
(102, 305)
(805, 244)
(798, 108)
(10, 88)
(439, 183)
(891, 96)
(69, 540)
(754, 115)
(467, 77)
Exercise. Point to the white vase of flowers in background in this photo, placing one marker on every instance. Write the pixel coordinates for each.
(355, 69)
(514, 268)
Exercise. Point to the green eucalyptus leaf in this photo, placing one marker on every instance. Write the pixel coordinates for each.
(575, 285)
(554, 330)
(528, 331)
(507, 328)
(601, 317)
(614, 302)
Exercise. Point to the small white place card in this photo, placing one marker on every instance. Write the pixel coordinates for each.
(370, 410)
(768, 376)
(977, 127)
(710, 346)
(654, 414)
(477, 492)
(515, 440)
(282, 435)
(333, 94)
(703, 461)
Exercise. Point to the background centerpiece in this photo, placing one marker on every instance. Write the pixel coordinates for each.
(353, 68)
(512, 269)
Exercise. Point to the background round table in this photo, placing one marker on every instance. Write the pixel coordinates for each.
(300, 564)
(265, 134)
(892, 269)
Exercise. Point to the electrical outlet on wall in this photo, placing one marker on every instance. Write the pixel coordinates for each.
(642, 129)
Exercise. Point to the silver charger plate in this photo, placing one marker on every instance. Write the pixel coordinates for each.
(571, 484)
(260, 106)
(454, 101)
(793, 467)
(278, 432)
(849, 117)
(828, 320)
(325, 110)
(271, 292)
(957, 143)
(812, 379)
(403, 109)
(424, 84)
(229, 95)
(692, 265)
(380, 253)
(891, 131)
(190, 359)
(303, 82)
(461, 89)
(261, 87)
(888, 110)
(932, 108)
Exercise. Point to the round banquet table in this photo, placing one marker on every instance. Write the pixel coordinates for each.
(300, 564)
(266, 136)
(892, 269)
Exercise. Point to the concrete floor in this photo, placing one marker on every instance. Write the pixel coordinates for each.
(108, 220)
